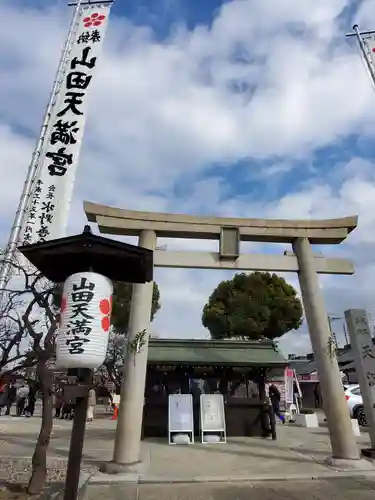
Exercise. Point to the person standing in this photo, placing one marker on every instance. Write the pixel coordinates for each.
(58, 402)
(22, 394)
(275, 398)
(31, 400)
(3, 395)
(316, 396)
(67, 411)
(91, 405)
(11, 397)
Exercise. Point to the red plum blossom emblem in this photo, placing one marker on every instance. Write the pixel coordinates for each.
(105, 307)
(94, 20)
(63, 304)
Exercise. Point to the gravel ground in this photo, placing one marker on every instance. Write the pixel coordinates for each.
(18, 440)
(15, 474)
(18, 470)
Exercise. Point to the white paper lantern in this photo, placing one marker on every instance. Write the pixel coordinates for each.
(86, 306)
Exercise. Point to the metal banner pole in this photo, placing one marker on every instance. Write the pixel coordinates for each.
(363, 49)
(33, 167)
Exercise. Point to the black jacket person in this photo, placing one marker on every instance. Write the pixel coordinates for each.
(275, 398)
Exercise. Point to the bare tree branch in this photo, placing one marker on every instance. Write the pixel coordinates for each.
(28, 325)
(27, 319)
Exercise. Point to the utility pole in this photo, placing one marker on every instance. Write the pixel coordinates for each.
(333, 335)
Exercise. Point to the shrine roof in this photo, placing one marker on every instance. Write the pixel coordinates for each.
(59, 258)
(303, 367)
(214, 352)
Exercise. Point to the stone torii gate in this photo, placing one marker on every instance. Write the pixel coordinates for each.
(148, 226)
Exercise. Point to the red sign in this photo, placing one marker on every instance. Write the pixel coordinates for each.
(308, 378)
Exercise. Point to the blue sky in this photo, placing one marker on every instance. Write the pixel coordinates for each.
(163, 15)
(248, 108)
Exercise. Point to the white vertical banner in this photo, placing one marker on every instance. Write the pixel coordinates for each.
(298, 387)
(370, 44)
(289, 389)
(49, 206)
(364, 359)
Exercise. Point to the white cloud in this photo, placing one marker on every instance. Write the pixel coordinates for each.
(163, 113)
(364, 14)
(14, 160)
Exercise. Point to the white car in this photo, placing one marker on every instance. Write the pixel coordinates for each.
(355, 404)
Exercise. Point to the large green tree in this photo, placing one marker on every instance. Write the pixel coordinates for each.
(251, 307)
(122, 294)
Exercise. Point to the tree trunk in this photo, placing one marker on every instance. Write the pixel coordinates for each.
(39, 460)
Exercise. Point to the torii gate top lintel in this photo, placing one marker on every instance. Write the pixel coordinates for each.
(119, 221)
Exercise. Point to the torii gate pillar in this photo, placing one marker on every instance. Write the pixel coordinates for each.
(129, 423)
(342, 438)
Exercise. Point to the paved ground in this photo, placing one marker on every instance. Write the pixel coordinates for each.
(340, 489)
(241, 469)
(297, 452)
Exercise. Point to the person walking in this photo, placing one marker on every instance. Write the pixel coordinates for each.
(275, 398)
(91, 405)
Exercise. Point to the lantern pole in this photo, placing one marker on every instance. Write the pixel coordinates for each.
(84, 383)
(81, 390)
(32, 172)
